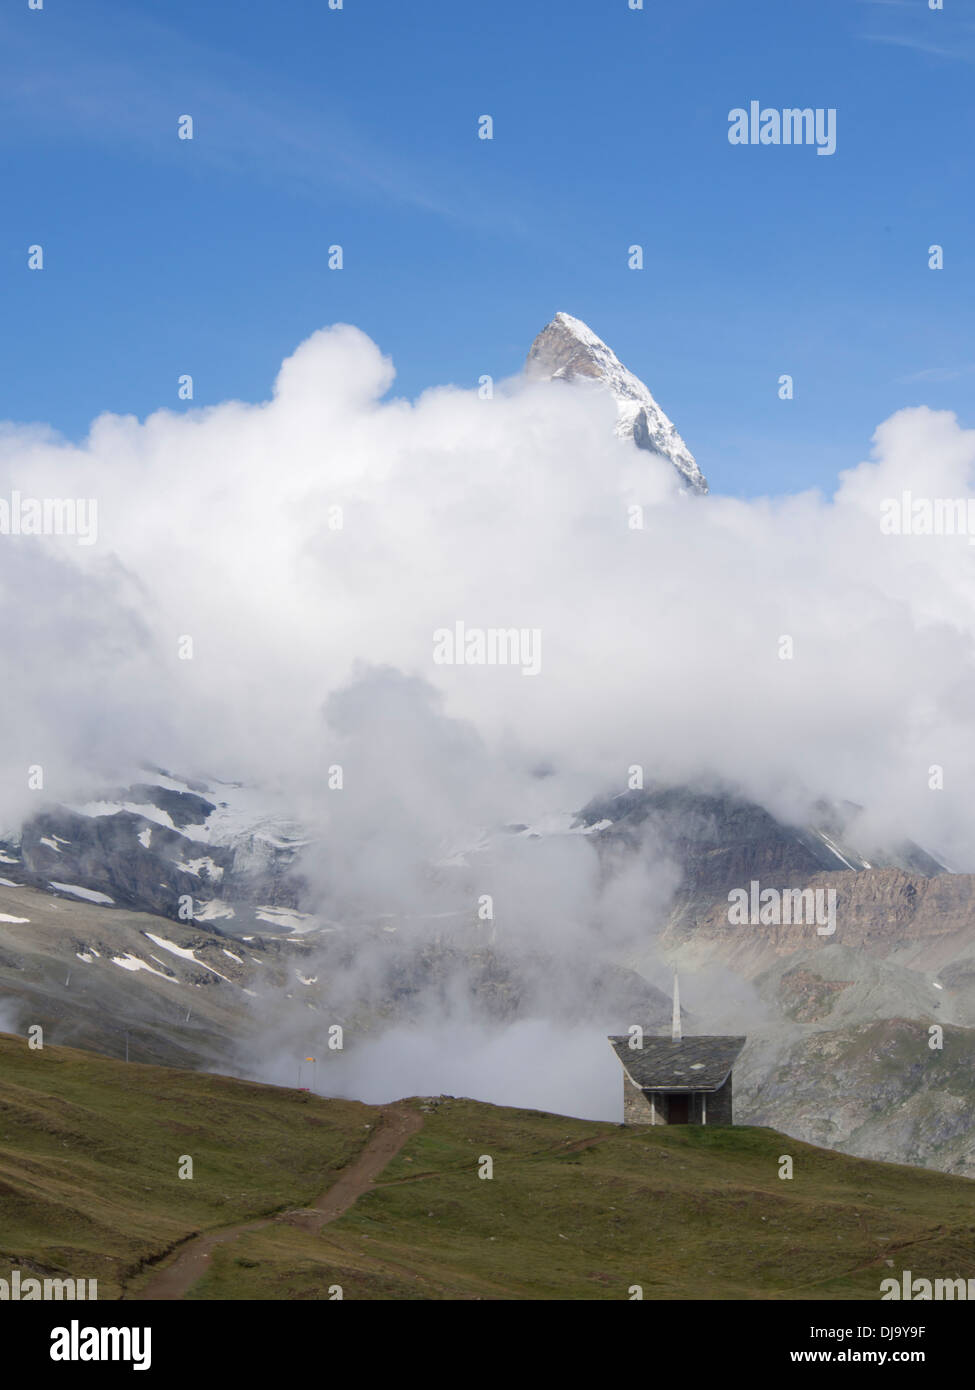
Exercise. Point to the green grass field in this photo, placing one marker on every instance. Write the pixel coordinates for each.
(90, 1150)
(575, 1209)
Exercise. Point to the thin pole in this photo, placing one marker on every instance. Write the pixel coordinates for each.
(676, 1030)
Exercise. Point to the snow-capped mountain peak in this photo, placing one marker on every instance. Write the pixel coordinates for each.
(567, 349)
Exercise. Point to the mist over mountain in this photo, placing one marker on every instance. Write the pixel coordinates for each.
(233, 697)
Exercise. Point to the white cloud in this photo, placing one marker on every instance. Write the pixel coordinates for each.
(659, 646)
(314, 646)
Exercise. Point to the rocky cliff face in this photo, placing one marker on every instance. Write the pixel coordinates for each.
(889, 1095)
(568, 350)
(884, 914)
(721, 840)
(187, 851)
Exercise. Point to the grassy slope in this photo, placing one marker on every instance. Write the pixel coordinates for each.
(684, 1212)
(89, 1151)
(88, 1186)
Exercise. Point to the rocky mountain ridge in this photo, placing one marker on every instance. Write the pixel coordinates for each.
(568, 350)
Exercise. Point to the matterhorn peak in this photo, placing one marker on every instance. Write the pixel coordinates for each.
(567, 349)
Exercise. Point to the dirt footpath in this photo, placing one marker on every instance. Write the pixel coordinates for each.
(398, 1123)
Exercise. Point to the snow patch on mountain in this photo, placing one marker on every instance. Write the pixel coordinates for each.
(185, 953)
(195, 866)
(88, 894)
(214, 909)
(131, 962)
(287, 918)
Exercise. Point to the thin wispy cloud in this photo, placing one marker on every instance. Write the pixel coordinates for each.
(246, 122)
(941, 373)
(921, 46)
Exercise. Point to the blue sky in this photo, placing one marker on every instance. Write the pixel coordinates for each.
(359, 127)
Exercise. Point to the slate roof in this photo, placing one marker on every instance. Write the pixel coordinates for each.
(693, 1064)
